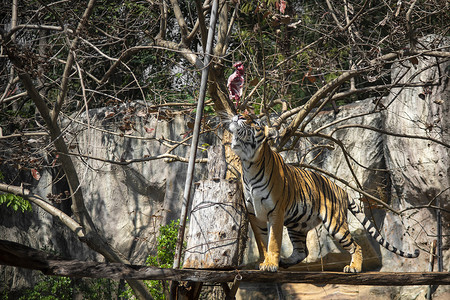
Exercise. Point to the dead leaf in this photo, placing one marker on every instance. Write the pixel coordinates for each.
(253, 82)
(414, 60)
(35, 174)
(148, 130)
(310, 77)
(141, 114)
(109, 114)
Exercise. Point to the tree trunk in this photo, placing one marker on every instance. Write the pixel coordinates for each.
(218, 224)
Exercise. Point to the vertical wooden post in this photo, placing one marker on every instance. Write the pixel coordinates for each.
(195, 134)
(440, 261)
(430, 269)
(198, 118)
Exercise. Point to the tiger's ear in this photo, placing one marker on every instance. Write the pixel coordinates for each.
(270, 133)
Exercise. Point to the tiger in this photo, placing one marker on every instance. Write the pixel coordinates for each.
(278, 194)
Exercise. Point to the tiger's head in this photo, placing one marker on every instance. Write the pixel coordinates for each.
(248, 136)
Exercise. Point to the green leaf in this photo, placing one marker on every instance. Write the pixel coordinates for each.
(15, 202)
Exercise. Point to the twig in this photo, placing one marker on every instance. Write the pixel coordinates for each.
(330, 86)
(169, 158)
(70, 60)
(36, 133)
(180, 19)
(411, 136)
(39, 201)
(344, 151)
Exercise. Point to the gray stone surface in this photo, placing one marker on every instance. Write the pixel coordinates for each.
(419, 168)
(128, 203)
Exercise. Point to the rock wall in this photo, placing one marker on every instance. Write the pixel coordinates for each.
(134, 199)
(128, 202)
(419, 168)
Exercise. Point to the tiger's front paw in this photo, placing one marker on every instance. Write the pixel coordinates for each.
(351, 269)
(269, 267)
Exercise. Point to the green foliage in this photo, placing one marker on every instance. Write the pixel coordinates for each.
(15, 202)
(50, 288)
(165, 253)
(165, 250)
(62, 288)
(209, 109)
(205, 147)
(26, 111)
(101, 288)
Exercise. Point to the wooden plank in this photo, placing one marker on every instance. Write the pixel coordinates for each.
(116, 271)
(18, 255)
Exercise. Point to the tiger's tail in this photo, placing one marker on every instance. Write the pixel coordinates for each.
(368, 225)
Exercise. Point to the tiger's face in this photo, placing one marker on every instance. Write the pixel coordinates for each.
(248, 136)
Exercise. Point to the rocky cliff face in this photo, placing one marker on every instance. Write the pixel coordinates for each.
(419, 168)
(129, 201)
(132, 199)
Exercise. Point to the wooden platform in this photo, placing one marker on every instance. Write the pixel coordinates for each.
(18, 255)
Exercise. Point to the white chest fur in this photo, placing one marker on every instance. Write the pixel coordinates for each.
(257, 197)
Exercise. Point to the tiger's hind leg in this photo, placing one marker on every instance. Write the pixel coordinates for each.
(348, 243)
(300, 250)
(334, 217)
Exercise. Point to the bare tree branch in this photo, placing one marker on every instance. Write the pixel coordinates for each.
(200, 23)
(37, 133)
(222, 29)
(181, 22)
(410, 136)
(158, 44)
(70, 61)
(327, 88)
(163, 20)
(19, 27)
(312, 102)
(91, 236)
(167, 158)
(70, 223)
(333, 13)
